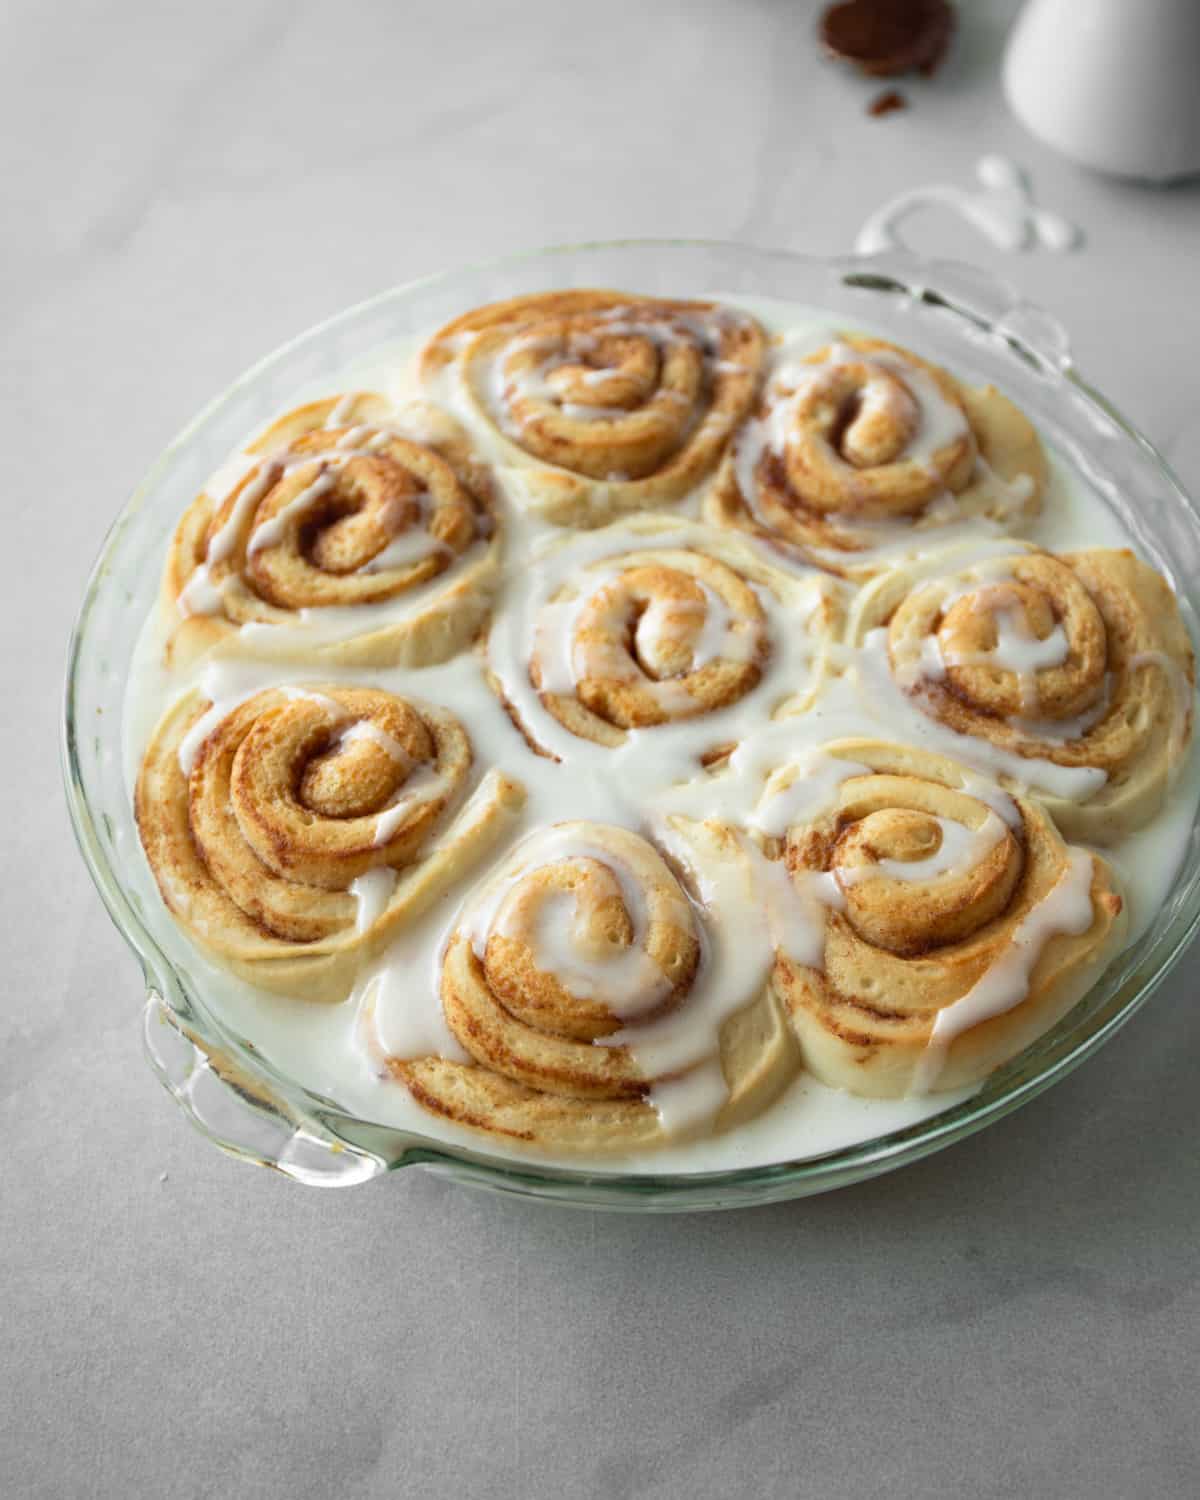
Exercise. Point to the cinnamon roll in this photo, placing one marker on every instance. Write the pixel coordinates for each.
(652, 623)
(290, 832)
(956, 925)
(862, 445)
(602, 402)
(602, 1008)
(360, 533)
(1072, 675)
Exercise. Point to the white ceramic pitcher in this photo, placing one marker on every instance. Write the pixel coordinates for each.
(1114, 84)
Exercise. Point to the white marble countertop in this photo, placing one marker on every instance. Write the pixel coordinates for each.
(184, 187)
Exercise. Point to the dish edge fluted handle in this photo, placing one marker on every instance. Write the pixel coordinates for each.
(240, 1113)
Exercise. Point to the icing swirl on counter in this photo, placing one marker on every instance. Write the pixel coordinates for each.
(633, 839)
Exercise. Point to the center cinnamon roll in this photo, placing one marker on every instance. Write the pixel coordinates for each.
(653, 623)
(649, 643)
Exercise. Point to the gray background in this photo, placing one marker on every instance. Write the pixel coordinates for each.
(184, 187)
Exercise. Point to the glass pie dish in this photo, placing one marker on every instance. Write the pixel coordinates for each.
(234, 1093)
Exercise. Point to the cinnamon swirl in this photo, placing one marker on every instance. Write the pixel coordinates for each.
(602, 1008)
(1072, 675)
(862, 444)
(291, 832)
(602, 402)
(957, 925)
(360, 533)
(652, 623)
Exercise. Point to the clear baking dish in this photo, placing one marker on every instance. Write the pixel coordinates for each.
(231, 1092)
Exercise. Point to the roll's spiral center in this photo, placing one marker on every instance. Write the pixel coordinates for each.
(361, 764)
(668, 615)
(372, 500)
(1034, 645)
(894, 833)
(990, 617)
(921, 865)
(865, 413)
(566, 953)
(618, 372)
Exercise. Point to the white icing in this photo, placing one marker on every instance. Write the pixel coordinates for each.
(225, 685)
(794, 904)
(627, 980)
(405, 548)
(734, 967)
(224, 540)
(910, 725)
(395, 1020)
(372, 891)
(1019, 650)
(1004, 212)
(1065, 909)
(272, 531)
(364, 729)
(959, 851)
(801, 790)
(199, 595)
(341, 409)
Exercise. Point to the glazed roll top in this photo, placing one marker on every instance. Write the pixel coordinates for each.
(1077, 670)
(651, 640)
(958, 926)
(654, 623)
(861, 443)
(300, 822)
(613, 402)
(580, 983)
(353, 504)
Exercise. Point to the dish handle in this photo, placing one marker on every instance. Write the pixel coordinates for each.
(982, 297)
(242, 1114)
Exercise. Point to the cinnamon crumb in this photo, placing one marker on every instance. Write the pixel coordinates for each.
(887, 103)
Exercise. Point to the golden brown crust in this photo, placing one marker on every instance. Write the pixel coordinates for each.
(483, 1101)
(604, 401)
(1119, 702)
(292, 798)
(359, 515)
(583, 933)
(831, 455)
(914, 935)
